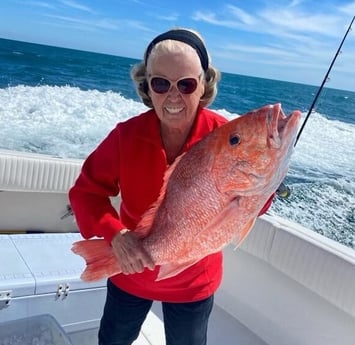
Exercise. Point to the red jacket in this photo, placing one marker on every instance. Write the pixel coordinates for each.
(131, 161)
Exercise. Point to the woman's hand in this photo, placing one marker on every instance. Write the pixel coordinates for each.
(129, 251)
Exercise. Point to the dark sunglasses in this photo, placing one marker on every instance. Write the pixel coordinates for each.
(162, 85)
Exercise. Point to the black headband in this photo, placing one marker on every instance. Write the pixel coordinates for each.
(184, 36)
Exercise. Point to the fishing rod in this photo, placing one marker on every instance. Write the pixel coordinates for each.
(323, 82)
(284, 191)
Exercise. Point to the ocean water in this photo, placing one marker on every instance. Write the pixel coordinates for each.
(63, 102)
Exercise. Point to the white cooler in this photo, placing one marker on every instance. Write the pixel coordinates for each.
(39, 274)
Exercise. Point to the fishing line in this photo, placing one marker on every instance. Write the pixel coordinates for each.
(326, 77)
(284, 191)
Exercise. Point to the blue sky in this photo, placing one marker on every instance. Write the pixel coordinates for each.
(284, 40)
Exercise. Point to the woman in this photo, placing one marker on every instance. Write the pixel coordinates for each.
(177, 81)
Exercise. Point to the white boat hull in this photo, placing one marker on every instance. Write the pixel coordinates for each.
(284, 285)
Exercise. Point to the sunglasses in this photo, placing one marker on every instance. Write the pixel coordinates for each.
(162, 85)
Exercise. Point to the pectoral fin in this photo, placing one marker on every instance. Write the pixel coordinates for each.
(173, 269)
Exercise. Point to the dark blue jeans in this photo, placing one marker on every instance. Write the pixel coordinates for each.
(124, 314)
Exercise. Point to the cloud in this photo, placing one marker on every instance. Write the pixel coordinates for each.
(288, 21)
(41, 4)
(172, 17)
(100, 23)
(135, 24)
(68, 22)
(348, 8)
(298, 21)
(243, 16)
(260, 50)
(77, 6)
(211, 18)
(292, 33)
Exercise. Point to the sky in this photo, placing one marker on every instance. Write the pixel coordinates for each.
(292, 40)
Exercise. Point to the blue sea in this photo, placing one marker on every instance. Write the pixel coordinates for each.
(63, 102)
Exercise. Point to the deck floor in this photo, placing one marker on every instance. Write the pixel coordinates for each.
(223, 329)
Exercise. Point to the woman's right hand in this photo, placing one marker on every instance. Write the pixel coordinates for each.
(130, 253)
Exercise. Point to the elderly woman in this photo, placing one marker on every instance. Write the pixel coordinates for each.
(177, 81)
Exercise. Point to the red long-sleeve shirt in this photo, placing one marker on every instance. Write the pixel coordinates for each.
(131, 161)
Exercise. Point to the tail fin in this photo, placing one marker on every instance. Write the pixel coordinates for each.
(100, 260)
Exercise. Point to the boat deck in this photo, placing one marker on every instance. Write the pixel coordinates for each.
(223, 329)
(227, 330)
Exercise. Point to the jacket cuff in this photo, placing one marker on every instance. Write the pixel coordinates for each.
(110, 228)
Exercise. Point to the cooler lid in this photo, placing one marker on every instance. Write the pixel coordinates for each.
(14, 273)
(51, 261)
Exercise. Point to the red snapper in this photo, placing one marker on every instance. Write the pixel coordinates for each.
(211, 195)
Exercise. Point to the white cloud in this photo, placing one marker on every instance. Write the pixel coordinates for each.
(41, 4)
(348, 8)
(288, 31)
(243, 16)
(172, 17)
(294, 18)
(76, 5)
(101, 23)
(259, 49)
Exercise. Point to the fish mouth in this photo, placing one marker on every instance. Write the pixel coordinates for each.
(279, 125)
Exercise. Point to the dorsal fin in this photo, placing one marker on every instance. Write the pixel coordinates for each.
(144, 226)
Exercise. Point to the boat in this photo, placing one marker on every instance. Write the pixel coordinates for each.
(285, 285)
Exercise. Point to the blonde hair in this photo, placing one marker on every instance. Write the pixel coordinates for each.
(139, 72)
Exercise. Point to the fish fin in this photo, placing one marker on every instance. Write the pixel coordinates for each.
(99, 257)
(172, 269)
(144, 225)
(92, 249)
(243, 234)
(223, 217)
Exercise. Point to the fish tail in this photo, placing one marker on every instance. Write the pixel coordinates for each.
(100, 260)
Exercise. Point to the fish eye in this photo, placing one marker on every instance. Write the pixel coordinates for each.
(234, 139)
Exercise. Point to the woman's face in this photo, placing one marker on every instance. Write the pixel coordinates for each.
(174, 108)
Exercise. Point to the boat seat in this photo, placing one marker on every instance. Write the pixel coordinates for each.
(320, 264)
(38, 185)
(282, 267)
(21, 171)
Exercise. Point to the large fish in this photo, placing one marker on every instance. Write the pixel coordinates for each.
(211, 195)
